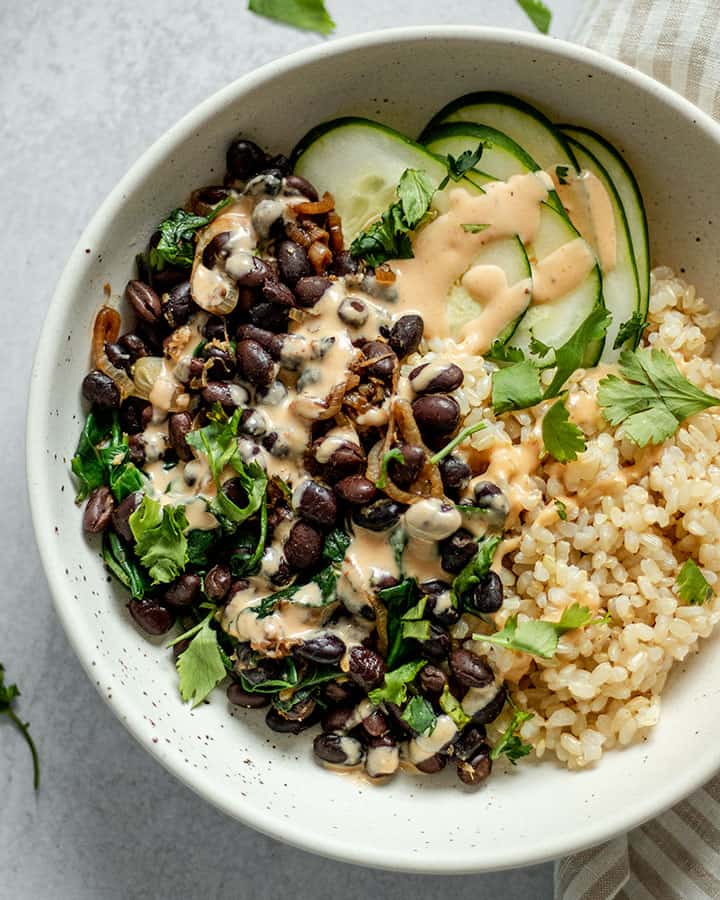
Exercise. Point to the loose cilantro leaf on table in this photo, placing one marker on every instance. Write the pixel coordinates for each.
(562, 438)
(510, 742)
(456, 168)
(451, 706)
(308, 15)
(631, 331)
(160, 542)
(691, 584)
(419, 715)
(201, 666)
(516, 387)
(538, 13)
(536, 636)
(8, 694)
(120, 562)
(394, 688)
(652, 398)
(176, 246)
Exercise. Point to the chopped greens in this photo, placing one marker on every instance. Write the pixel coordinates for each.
(336, 545)
(119, 561)
(473, 227)
(398, 601)
(415, 192)
(561, 510)
(573, 353)
(456, 168)
(201, 665)
(199, 544)
(462, 435)
(101, 458)
(562, 438)
(452, 707)
(176, 246)
(631, 331)
(652, 398)
(394, 454)
(246, 558)
(536, 636)
(517, 386)
(477, 568)
(160, 542)
(308, 15)
(419, 715)
(394, 689)
(289, 679)
(413, 624)
(691, 584)
(8, 694)
(510, 742)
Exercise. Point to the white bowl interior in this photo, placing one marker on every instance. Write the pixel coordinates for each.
(267, 780)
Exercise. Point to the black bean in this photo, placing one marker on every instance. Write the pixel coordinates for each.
(406, 472)
(203, 200)
(234, 490)
(296, 184)
(353, 312)
(309, 289)
(220, 392)
(248, 700)
(329, 748)
(379, 516)
(436, 415)
(179, 426)
(215, 329)
(177, 305)
(277, 292)
(470, 670)
(123, 511)
(432, 765)
(98, 510)
(457, 550)
(136, 448)
(181, 646)
(255, 363)
(293, 262)
(366, 667)
(256, 276)
(491, 710)
(341, 692)
(267, 340)
(375, 724)
(385, 359)
(217, 582)
(490, 498)
(406, 334)
(277, 722)
(469, 742)
(270, 316)
(134, 345)
(100, 390)
(300, 711)
(356, 489)
(220, 364)
(184, 591)
(400, 726)
(432, 680)
(347, 459)
(317, 504)
(267, 184)
(118, 356)
(449, 378)
(475, 770)
(245, 159)
(150, 335)
(151, 616)
(448, 614)
(326, 649)
(455, 474)
(143, 300)
(487, 595)
(303, 547)
(335, 718)
(135, 415)
(343, 264)
(437, 645)
(217, 250)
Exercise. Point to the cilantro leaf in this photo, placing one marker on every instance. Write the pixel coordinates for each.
(652, 398)
(573, 353)
(537, 348)
(394, 688)
(504, 353)
(336, 545)
(562, 173)
(561, 510)
(118, 560)
(562, 438)
(160, 542)
(538, 13)
(413, 624)
(419, 715)
(631, 331)
(397, 601)
(176, 246)
(415, 192)
(691, 584)
(308, 15)
(101, 458)
(477, 568)
(456, 168)
(451, 706)
(516, 387)
(462, 435)
(510, 742)
(8, 694)
(199, 545)
(201, 666)
(536, 636)
(474, 228)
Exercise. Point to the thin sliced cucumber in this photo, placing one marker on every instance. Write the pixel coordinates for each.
(517, 119)
(620, 285)
(360, 162)
(502, 157)
(627, 187)
(554, 321)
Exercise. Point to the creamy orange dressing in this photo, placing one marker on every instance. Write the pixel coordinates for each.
(590, 210)
(561, 271)
(170, 488)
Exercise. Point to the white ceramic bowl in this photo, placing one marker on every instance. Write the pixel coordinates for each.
(270, 781)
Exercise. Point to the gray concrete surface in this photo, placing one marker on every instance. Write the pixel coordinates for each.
(84, 88)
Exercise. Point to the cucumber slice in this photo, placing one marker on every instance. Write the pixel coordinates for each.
(502, 157)
(360, 162)
(621, 291)
(627, 187)
(517, 119)
(555, 321)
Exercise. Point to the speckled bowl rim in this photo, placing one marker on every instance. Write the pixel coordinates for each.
(669, 792)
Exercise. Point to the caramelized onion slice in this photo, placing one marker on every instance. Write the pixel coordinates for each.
(316, 207)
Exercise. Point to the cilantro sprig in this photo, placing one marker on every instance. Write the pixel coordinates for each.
(176, 246)
(537, 636)
(562, 439)
(394, 687)
(8, 695)
(692, 586)
(160, 542)
(510, 743)
(652, 398)
(457, 167)
(201, 666)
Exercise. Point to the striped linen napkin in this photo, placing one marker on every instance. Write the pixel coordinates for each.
(677, 855)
